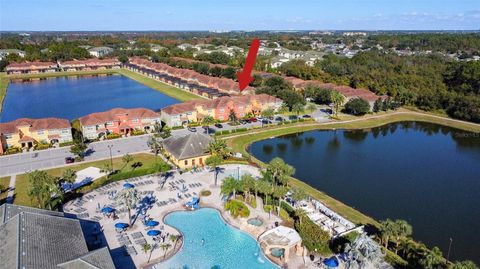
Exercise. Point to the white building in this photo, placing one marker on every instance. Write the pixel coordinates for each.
(5, 52)
(100, 51)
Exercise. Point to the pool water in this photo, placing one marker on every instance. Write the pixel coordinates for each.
(255, 222)
(224, 247)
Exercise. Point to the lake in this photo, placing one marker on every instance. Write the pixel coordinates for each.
(73, 97)
(426, 174)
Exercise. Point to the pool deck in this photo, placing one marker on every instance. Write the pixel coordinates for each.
(166, 201)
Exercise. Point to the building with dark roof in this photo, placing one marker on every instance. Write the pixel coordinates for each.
(35, 238)
(187, 151)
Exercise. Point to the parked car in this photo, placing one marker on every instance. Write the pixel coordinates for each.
(218, 125)
(253, 119)
(278, 118)
(243, 121)
(192, 129)
(69, 160)
(259, 118)
(306, 116)
(292, 117)
(266, 122)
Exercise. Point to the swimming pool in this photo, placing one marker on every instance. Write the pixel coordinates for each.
(224, 247)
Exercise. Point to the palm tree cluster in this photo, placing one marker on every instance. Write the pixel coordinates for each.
(46, 190)
(417, 255)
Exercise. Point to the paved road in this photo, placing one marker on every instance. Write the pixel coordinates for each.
(24, 162)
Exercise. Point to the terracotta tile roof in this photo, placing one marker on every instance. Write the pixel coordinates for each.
(221, 84)
(221, 102)
(91, 62)
(112, 114)
(35, 124)
(31, 66)
(26, 139)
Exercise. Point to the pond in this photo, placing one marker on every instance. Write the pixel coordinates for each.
(223, 246)
(73, 97)
(426, 174)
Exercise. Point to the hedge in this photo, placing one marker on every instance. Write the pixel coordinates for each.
(64, 144)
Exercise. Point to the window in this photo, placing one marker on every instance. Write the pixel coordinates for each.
(135, 120)
(110, 123)
(40, 133)
(186, 162)
(222, 110)
(65, 131)
(193, 162)
(189, 113)
(8, 136)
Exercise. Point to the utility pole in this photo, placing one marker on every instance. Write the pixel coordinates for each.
(111, 159)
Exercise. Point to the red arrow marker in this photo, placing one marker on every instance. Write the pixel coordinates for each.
(244, 77)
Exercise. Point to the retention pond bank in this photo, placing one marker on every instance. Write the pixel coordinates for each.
(424, 173)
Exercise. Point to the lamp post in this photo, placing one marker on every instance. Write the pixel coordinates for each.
(448, 253)
(238, 172)
(111, 160)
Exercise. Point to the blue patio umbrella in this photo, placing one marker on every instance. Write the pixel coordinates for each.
(121, 225)
(151, 223)
(107, 209)
(331, 262)
(128, 185)
(153, 232)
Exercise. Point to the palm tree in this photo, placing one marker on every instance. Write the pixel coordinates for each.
(300, 213)
(268, 112)
(154, 146)
(264, 188)
(280, 171)
(310, 108)
(165, 247)
(402, 230)
(232, 117)
(214, 162)
(126, 159)
(146, 247)
(387, 229)
(247, 183)
(174, 238)
(128, 198)
(298, 194)
(298, 108)
(464, 265)
(337, 99)
(432, 259)
(279, 192)
(207, 121)
(218, 147)
(69, 175)
(229, 185)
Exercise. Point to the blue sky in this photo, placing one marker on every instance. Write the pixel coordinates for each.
(64, 15)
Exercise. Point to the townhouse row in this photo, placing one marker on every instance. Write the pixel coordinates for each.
(25, 133)
(50, 67)
(191, 80)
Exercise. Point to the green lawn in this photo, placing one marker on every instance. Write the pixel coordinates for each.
(239, 143)
(4, 183)
(171, 91)
(21, 185)
(3, 88)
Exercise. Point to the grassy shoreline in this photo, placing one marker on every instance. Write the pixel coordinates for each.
(241, 142)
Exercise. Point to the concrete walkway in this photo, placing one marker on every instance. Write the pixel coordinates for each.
(11, 189)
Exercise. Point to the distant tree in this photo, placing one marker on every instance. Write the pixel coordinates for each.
(44, 189)
(268, 112)
(69, 175)
(218, 147)
(357, 106)
(432, 259)
(174, 238)
(79, 149)
(378, 105)
(310, 108)
(126, 159)
(165, 247)
(337, 100)
(298, 108)
(154, 145)
(230, 186)
(123, 58)
(463, 265)
(207, 121)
